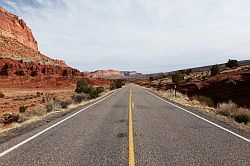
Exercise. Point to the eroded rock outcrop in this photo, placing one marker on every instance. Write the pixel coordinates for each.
(18, 43)
(13, 27)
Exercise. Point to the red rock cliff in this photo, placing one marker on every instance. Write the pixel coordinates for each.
(13, 27)
(17, 41)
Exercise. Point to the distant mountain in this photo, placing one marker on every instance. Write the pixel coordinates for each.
(114, 74)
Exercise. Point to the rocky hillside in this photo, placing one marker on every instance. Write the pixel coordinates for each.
(13, 27)
(229, 85)
(18, 43)
(23, 66)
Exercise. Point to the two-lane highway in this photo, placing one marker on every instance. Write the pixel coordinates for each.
(130, 126)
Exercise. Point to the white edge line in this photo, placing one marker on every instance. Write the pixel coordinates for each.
(41, 132)
(237, 135)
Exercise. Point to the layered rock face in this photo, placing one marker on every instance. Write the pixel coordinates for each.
(13, 27)
(17, 41)
(232, 86)
(22, 65)
(10, 67)
(106, 74)
(114, 74)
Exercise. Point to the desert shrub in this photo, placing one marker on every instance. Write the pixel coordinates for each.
(78, 98)
(57, 104)
(94, 92)
(8, 118)
(100, 89)
(232, 63)
(177, 77)
(82, 87)
(22, 118)
(38, 110)
(113, 86)
(242, 116)
(2, 95)
(22, 109)
(215, 70)
(38, 94)
(227, 109)
(49, 107)
(204, 100)
(65, 104)
(116, 84)
(188, 71)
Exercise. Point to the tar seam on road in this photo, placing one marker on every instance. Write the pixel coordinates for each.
(229, 131)
(130, 131)
(43, 131)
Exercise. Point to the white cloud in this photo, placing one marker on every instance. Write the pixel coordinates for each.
(143, 35)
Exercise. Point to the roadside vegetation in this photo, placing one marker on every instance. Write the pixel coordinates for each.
(2, 95)
(215, 70)
(226, 109)
(232, 64)
(84, 92)
(116, 84)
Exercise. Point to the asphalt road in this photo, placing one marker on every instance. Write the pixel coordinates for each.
(99, 135)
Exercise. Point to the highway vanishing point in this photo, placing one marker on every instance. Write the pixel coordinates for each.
(132, 126)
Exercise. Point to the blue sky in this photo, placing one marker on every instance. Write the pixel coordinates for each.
(143, 35)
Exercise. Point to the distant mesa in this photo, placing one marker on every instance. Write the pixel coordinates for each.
(114, 74)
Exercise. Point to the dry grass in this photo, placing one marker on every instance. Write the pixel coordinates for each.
(230, 109)
(227, 112)
(38, 110)
(227, 109)
(33, 114)
(189, 102)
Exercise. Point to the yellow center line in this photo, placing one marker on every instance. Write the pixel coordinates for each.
(130, 132)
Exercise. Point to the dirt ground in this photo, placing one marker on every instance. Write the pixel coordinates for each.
(14, 98)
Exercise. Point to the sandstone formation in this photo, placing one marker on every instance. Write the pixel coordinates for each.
(230, 85)
(13, 27)
(106, 74)
(23, 66)
(17, 41)
(114, 74)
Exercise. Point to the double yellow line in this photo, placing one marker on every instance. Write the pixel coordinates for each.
(130, 132)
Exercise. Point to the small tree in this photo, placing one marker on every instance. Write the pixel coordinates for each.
(118, 83)
(232, 63)
(82, 87)
(22, 109)
(177, 77)
(188, 71)
(2, 95)
(215, 70)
